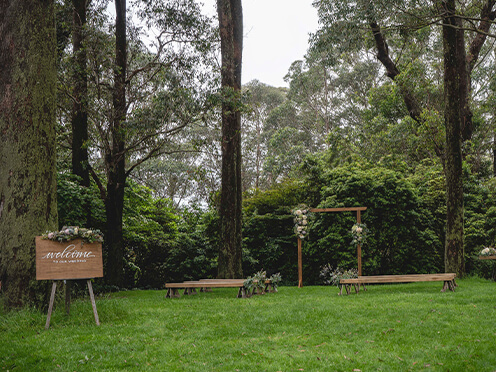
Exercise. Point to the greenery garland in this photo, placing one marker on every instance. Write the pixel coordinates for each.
(74, 232)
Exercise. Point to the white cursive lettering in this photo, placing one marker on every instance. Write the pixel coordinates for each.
(69, 252)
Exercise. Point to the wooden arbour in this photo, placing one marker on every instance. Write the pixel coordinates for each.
(358, 211)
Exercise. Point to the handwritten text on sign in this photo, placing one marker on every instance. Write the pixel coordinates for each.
(74, 259)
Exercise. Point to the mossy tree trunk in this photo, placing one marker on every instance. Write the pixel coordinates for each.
(80, 165)
(231, 35)
(456, 117)
(115, 156)
(28, 198)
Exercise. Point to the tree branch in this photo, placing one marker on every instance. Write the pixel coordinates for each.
(487, 17)
(103, 192)
(392, 71)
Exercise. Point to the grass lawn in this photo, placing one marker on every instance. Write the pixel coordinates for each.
(388, 328)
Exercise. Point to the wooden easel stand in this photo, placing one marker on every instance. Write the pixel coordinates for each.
(52, 298)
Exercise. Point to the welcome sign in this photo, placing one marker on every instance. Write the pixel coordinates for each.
(74, 259)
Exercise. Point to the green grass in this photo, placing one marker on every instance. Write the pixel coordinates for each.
(388, 328)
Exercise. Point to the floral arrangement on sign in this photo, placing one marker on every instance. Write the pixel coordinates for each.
(332, 276)
(488, 251)
(359, 233)
(301, 221)
(74, 232)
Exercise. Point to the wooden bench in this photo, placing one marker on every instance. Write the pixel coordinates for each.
(448, 279)
(206, 284)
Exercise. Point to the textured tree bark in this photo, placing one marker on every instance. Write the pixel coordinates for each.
(231, 34)
(494, 155)
(456, 105)
(80, 166)
(28, 197)
(80, 114)
(115, 157)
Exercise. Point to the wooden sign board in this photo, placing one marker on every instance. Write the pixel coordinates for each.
(75, 259)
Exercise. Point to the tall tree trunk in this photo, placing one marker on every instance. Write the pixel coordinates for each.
(456, 105)
(231, 34)
(28, 194)
(115, 157)
(494, 155)
(80, 166)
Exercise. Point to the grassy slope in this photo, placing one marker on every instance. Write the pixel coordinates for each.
(388, 328)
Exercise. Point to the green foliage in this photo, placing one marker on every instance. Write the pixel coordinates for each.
(330, 276)
(73, 199)
(268, 230)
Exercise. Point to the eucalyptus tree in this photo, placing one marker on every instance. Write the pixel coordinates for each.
(146, 83)
(80, 93)
(230, 14)
(365, 24)
(261, 101)
(28, 199)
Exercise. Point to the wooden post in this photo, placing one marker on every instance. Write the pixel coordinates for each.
(93, 303)
(300, 265)
(359, 247)
(67, 296)
(52, 299)
(50, 306)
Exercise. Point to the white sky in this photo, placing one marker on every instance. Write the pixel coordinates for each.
(276, 35)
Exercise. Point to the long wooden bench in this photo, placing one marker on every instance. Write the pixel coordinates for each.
(447, 278)
(205, 284)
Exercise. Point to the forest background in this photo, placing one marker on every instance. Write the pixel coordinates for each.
(340, 135)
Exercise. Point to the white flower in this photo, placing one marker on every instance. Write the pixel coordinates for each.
(298, 212)
(299, 228)
(359, 230)
(485, 251)
(304, 222)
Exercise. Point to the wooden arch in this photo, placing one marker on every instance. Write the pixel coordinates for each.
(358, 211)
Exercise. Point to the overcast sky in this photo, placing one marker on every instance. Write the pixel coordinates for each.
(276, 34)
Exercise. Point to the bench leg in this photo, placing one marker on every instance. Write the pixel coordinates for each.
(340, 286)
(242, 293)
(172, 292)
(348, 288)
(449, 284)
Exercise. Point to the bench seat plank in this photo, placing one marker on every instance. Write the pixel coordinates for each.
(447, 278)
(205, 284)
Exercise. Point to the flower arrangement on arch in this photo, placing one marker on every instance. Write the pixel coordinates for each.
(74, 232)
(488, 251)
(301, 221)
(359, 232)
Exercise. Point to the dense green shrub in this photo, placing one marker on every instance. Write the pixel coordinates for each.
(268, 236)
(73, 201)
